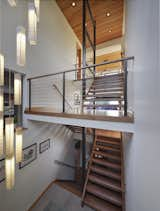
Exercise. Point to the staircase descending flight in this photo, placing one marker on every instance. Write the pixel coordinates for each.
(106, 93)
(104, 186)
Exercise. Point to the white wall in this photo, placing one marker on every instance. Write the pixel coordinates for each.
(54, 35)
(55, 51)
(143, 151)
(34, 178)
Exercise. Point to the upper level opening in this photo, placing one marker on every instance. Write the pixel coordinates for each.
(97, 86)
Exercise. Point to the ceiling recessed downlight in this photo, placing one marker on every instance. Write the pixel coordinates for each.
(108, 14)
(110, 30)
(73, 4)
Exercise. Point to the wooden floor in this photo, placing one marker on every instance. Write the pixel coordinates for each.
(113, 116)
(71, 186)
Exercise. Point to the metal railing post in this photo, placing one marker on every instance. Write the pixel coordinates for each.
(29, 94)
(64, 91)
(83, 154)
(84, 51)
(94, 58)
(125, 87)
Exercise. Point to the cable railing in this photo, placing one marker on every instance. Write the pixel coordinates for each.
(40, 94)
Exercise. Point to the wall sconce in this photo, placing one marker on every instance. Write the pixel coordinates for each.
(9, 136)
(17, 89)
(12, 3)
(19, 143)
(1, 70)
(32, 24)
(21, 46)
(10, 172)
(37, 6)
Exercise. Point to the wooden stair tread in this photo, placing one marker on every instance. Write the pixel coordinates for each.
(100, 105)
(105, 182)
(110, 75)
(108, 82)
(105, 99)
(105, 163)
(99, 204)
(105, 86)
(108, 142)
(106, 90)
(102, 137)
(105, 194)
(105, 172)
(110, 95)
(108, 148)
(107, 155)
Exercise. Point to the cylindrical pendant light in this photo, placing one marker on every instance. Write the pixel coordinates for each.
(17, 89)
(1, 135)
(9, 136)
(1, 70)
(32, 24)
(10, 172)
(21, 46)
(1, 100)
(19, 143)
(37, 6)
(12, 3)
(1, 123)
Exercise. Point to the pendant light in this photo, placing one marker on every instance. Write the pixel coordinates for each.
(19, 143)
(10, 172)
(1, 100)
(21, 46)
(9, 139)
(9, 136)
(37, 6)
(1, 123)
(32, 24)
(1, 70)
(12, 3)
(17, 89)
(1, 135)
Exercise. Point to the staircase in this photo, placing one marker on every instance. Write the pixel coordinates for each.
(77, 129)
(106, 93)
(104, 186)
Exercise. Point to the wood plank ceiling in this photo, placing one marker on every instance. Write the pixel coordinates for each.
(107, 13)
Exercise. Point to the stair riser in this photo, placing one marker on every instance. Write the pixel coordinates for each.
(102, 196)
(107, 166)
(100, 172)
(106, 186)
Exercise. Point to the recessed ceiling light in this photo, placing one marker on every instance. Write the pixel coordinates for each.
(110, 30)
(108, 14)
(73, 4)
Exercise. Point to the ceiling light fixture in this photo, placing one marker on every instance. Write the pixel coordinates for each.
(110, 30)
(73, 4)
(108, 14)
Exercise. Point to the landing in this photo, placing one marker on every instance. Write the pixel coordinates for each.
(114, 116)
(106, 120)
(58, 199)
